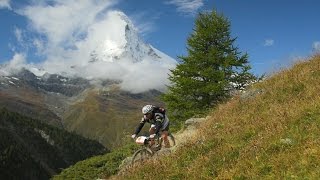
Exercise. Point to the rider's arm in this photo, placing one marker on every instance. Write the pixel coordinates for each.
(140, 126)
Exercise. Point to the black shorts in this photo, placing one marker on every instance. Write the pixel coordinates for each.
(167, 128)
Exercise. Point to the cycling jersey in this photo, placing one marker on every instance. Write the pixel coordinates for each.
(160, 121)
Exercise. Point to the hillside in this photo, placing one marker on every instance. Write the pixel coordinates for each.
(30, 149)
(270, 132)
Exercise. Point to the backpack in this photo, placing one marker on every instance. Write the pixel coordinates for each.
(160, 110)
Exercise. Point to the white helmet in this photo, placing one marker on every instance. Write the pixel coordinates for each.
(147, 109)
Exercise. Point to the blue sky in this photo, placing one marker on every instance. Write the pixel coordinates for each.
(273, 32)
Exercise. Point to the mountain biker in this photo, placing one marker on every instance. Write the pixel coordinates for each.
(159, 123)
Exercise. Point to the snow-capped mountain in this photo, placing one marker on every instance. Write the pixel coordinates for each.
(127, 45)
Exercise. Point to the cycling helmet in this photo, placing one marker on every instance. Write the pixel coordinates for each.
(147, 109)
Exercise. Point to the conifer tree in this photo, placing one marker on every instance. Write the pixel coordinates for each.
(212, 69)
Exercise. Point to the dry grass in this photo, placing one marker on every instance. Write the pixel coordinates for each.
(274, 135)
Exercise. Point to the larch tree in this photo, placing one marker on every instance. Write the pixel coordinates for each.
(213, 69)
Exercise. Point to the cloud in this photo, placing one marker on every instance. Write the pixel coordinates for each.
(39, 45)
(5, 4)
(64, 22)
(15, 64)
(316, 46)
(268, 42)
(18, 34)
(67, 32)
(186, 6)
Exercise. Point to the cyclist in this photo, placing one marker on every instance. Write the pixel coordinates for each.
(159, 123)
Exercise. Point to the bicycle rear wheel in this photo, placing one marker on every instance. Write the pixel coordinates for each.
(141, 155)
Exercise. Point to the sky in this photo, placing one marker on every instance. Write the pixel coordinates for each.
(274, 33)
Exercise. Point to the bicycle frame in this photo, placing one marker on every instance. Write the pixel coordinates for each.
(153, 144)
(148, 149)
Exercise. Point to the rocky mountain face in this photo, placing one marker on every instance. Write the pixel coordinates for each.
(44, 98)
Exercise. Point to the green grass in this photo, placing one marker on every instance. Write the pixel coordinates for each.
(98, 166)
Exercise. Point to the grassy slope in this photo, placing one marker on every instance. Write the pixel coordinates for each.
(274, 135)
(98, 166)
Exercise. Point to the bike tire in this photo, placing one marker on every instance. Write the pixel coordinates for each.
(141, 155)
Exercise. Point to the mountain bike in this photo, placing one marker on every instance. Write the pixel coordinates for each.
(148, 149)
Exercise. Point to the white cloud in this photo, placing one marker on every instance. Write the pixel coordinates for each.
(316, 46)
(39, 45)
(65, 29)
(18, 34)
(17, 62)
(65, 21)
(268, 42)
(70, 30)
(5, 4)
(186, 6)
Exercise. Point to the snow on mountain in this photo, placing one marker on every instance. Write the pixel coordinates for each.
(126, 44)
(37, 72)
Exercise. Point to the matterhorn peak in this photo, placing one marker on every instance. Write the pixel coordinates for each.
(124, 44)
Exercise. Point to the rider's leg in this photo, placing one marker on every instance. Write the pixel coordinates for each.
(164, 135)
(152, 130)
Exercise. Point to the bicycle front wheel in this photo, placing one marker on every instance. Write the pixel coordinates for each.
(141, 155)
